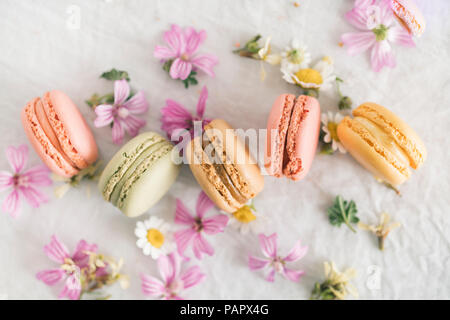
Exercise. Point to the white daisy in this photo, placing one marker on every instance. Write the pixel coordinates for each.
(265, 55)
(320, 76)
(330, 124)
(154, 237)
(246, 220)
(295, 57)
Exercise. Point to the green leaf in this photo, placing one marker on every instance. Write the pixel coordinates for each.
(343, 211)
(115, 74)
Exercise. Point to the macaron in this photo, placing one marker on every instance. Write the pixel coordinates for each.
(59, 134)
(382, 143)
(409, 15)
(139, 174)
(292, 134)
(224, 167)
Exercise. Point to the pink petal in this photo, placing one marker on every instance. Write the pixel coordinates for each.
(174, 116)
(152, 286)
(271, 275)
(105, 115)
(192, 276)
(183, 238)
(358, 42)
(72, 288)
(80, 257)
(193, 39)
(164, 53)
(215, 224)
(38, 176)
(33, 196)
(201, 105)
(51, 277)
(256, 263)
(175, 39)
(121, 91)
(205, 62)
(133, 124)
(180, 69)
(398, 34)
(6, 180)
(386, 13)
(296, 253)
(17, 157)
(182, 214)
(137, 104)
(268, 245)
(201, 245)
(56, 250)
(293, 275)
(358, 18)
(382, 56)
(117, 132)
(364, 3)
(203, 204)
(11, 203)
(169, 266)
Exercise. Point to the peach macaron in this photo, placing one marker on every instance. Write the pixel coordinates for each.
(292, 135)
(59, 133)
(409, 15)
(382, 143)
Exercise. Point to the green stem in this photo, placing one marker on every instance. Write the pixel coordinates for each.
(341, 206)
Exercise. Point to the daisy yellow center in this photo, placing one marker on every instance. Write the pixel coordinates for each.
(309, 76)
(244, 215)
(155, 238)
(332, 128)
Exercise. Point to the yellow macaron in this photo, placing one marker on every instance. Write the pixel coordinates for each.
(382, 143)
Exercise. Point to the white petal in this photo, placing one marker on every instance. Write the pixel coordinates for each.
(147, 248)
(141, 242)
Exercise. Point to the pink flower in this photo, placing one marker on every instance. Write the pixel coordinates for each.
(175, 117)
(26, 183)
(173, 283)
(377, 30)
(275, 263)
(197, 226)
(70, 266)
(122, 114)
(180, 50)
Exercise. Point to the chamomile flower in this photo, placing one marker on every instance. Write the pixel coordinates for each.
(247, 219)
(265, 54)
(320, 76)
(154, 237)
(295, 56)
(329, 127)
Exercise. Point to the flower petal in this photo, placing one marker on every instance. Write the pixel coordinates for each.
(17, 157)
(193, 39)
(168, 266)
(358, 18)
(268, 245)
(164, 53)
(215, 224)
(382, 56)
(56, 250)
(121, 91)
(203, 204)
(6, 180)
(398, 34)
(133, 124)
(205, 62)
(118, 132)
(137, 104)
(104, 114)
(33, 196)
(192, 276)
(80, 256)
(11, 203)
(38, 176)
(151, 286)
(183, 238)
(180, 69)
(175, 39)
(293, 275)
(201, 245)
(271, 275)
(201, 105)
(358, 42)
(72, 288)
(296, 253)
(51, 277)
(256, 263)
(182, 214)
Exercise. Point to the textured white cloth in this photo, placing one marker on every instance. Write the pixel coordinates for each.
(42, 49)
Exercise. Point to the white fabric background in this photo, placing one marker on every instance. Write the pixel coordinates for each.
(39, 53)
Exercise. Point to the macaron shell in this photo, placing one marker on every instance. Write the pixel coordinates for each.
(277, 127)
(151, 186)
(410, 16)
(72, 131)
(302, 137)
(208, 179)
(403, 135)
(370, 154)
(50, 155)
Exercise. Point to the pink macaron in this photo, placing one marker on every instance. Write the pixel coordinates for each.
(59, 133)
(409, 15)
(292, 134)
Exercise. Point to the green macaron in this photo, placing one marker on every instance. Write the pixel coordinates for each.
(139, 174)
